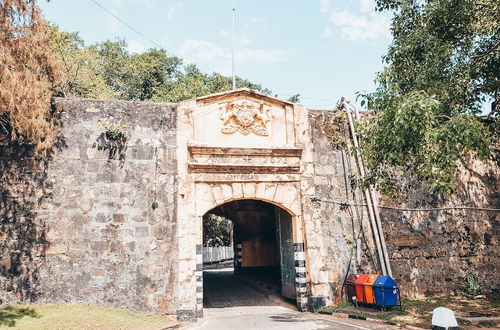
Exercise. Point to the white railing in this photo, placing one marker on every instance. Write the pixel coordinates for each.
(219, 253)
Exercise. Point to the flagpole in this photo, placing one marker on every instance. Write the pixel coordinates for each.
(234, 45)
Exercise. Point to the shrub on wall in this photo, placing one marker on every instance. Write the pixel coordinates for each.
(29, 73)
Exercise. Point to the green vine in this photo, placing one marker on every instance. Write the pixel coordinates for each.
(114, 132)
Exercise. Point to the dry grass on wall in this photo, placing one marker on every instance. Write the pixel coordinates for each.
(29, 74)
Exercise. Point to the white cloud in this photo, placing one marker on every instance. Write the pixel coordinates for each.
(136, 47)
(112, 24)
(219, 58)
(356, 21)
(172, 9)
(256, 20)
(194, 50)
(248, 55)
(147, 3)
(367, 6)
(357, 27)
(244, 40)
(325, 6)
(327, 32)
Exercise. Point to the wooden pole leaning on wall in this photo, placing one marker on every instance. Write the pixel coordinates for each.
(371, 211)
(375, 209)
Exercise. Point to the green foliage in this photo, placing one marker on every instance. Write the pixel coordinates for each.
(294, 98)
(442, 66)
(471, 281)
(115, 132)
(107, 70)
(407, 134)
(339, 130)
(217, 231)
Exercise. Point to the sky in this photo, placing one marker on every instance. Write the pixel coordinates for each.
(320, 49)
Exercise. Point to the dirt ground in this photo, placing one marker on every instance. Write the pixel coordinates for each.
(480, 313)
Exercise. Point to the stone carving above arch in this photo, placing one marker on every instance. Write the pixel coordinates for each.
(283, 194)
(245, 117)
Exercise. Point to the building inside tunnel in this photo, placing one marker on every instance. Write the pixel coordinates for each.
(262, 239)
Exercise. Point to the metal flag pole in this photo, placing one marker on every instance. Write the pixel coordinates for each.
(234, 43)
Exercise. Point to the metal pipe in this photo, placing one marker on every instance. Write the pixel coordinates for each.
(376, 211)
(234, 47)
(366, 192)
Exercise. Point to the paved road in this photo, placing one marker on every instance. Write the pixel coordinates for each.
(231, 304)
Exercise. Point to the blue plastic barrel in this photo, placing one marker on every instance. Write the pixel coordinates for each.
(386, 291)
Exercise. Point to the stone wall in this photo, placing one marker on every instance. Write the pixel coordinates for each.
(95, 223)
(99, 221)
(341, 232)
(431, 251)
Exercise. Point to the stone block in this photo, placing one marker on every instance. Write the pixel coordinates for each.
(55, 249)
(85, 205)
(227, 191)
(237, 190)
(270, 191)
(100, 217)
(141, 232)
(93, 167)
(260, 189)
(320, 180)
(249, 189)
(217, 193)
(119, 218)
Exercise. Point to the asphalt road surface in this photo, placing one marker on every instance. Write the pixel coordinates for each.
(231, 304)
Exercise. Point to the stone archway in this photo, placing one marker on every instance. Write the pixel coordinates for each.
(262, 237)
(284, 195)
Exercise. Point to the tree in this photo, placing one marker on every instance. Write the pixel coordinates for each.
(147, 73)
(29, 74)
(108, 70)
(217, 231)
(442, 66)
(294, 98)
(82, 66)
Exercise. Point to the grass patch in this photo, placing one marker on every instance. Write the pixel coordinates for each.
(77, 317)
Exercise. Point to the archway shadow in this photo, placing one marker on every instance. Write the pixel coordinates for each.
(221, 289)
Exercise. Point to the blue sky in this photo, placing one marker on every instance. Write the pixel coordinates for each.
(321, 49)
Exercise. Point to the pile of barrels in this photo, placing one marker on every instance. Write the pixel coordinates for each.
(372, 290)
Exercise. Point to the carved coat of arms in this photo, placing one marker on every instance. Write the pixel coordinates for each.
(245, 117)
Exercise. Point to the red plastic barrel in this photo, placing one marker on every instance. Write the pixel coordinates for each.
(359, 285)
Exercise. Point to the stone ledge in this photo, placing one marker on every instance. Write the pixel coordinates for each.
(195, 149)
(239, 168)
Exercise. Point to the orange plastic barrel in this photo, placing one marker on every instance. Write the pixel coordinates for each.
(359, 285)
(368, 285)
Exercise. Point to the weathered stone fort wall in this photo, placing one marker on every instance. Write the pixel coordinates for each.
(337, 230)
(95, 223)
(431, 251)
(100, 222)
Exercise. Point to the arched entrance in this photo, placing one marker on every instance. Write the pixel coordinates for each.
(262, 238)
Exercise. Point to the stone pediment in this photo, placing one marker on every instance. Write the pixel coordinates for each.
(243, 93)
(243, 119)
